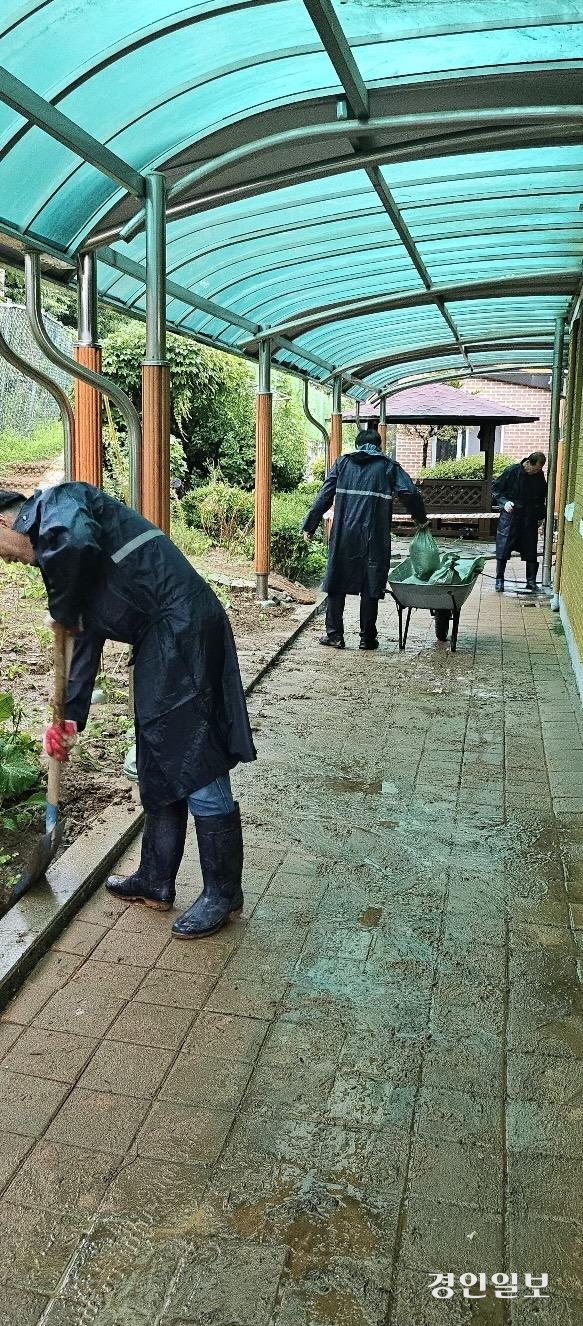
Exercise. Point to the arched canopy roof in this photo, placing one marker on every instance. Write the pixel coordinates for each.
(389, 188)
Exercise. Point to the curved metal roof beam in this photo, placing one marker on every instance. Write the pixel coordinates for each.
(209, 170)
(425, 379)
(553, 283)
(523, 341)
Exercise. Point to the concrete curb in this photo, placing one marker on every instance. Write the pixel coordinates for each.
(30, 927)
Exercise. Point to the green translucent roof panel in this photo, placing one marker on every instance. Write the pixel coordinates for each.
(454, 220)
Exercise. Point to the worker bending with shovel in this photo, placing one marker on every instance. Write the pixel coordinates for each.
(361, 484)
(111, 575)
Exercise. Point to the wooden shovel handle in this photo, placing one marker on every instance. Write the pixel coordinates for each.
(63, 652)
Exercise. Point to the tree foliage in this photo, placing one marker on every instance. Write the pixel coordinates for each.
(213, 408)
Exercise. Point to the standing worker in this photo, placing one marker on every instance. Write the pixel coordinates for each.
(361, 484)
(520, 493)
(111, 575)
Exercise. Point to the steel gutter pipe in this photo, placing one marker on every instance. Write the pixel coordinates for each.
(34, 308)
(63, 402)
(556, 387)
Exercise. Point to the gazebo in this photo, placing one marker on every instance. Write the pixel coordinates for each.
(438, 404)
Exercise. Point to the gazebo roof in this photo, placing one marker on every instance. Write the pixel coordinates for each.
(437, 404)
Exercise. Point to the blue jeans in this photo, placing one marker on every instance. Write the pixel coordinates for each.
(214, 799)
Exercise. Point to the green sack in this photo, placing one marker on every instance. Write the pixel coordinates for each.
(424, 554)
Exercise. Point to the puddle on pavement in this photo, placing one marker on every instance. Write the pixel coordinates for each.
(370, 918)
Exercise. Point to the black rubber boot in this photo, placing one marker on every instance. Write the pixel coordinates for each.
(220, 845)
(531, 574)
(154, 882)
(500, 569)
(368, 644)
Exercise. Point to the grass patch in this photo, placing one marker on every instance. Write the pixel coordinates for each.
(42, 444)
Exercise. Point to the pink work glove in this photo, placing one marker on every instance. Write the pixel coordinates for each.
(57, 741)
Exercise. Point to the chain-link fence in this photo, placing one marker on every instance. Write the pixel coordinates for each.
(23, 404)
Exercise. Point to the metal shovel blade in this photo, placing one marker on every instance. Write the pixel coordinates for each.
(39, 863)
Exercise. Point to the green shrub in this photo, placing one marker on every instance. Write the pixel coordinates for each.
(290, 554)
(222, 511)
(318, 471)
(469, 467)
(19, 763)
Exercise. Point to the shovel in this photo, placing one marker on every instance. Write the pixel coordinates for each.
(50, 840)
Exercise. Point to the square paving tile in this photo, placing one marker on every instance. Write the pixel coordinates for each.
(227, 1036)
(229, 1281)
(64, 1178)
(127, 1070)
(176, 989)
(120, 979)
(197, 1080)
(27, 1104)
(246, 998)
(448, 1237)
(150, 1024)
(457, 1114)
(49, 975)
(18, 1308)
(415, 1306)
(98, 1121)
(457, 1172)
(182, 1134)
(80, 937)
(37, 1246)
(52, 1054)
(553, 1246)
(130, 947)
(169, 1195)
(545, 1129)
(119, 1274)
(80, 1010)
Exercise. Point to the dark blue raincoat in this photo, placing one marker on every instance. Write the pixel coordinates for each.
(518, 529)
(110, 571)
(361, 485)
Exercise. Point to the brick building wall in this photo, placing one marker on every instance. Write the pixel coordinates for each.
(517, 439)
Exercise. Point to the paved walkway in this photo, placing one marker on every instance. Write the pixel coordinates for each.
(377, 1074)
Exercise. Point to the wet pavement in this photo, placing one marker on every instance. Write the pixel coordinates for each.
(377, 1074)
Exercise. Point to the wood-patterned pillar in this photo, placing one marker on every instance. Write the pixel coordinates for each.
(155, 459)
(87, 459)
(336, 422)
(87, 451)
(263, 473)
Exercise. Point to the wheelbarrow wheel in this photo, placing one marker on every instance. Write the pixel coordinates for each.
(442, 618)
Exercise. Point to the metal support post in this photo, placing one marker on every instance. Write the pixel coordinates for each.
(570, 437)
(155, 475)
(63, 361)
(88, 462)
(556, 387)
(263, 454)
(316, 423)
(336, 421)
(383, 421)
